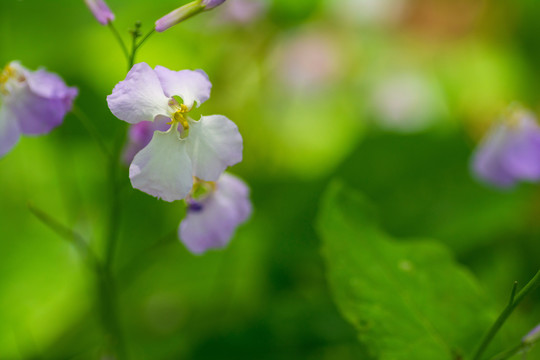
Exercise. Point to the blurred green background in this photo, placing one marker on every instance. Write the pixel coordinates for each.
(391, 96)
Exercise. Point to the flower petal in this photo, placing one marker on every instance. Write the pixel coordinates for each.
(41, 103)
(192, 86)
(214, 143)
(9, 131)
(163, 168)
(213, 224)
(139, 97)
(486, 164)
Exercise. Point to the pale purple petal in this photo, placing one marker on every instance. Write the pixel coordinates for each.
(510, 153)
(533, 336)
(9, 130)
(100, 10)
(214, 143)
(42, 104)
(163, 168)
(139, 97)
(210, 4)
(211, 223)
(38, 100)
(192, 86)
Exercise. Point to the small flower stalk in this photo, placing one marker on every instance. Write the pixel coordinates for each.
(215, 210)
(180, 148)
(185, 12)
(31, 103)
(510, 152)
(101, 11)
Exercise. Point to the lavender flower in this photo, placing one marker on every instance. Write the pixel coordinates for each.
(533, 336)
(185, 12)
(214, 212)
(203, 148)
(31, 103)
(510, 151)
(101, 11)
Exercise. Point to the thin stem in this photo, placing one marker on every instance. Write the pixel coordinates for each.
(68, 234)
(136, 46)
(119, 39)
(91, 129)
(516, 300)
(145, 38)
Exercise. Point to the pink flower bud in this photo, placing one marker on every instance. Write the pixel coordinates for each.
(101, 11)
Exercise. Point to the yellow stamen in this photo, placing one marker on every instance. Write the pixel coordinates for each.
(179, 116)
(7, 73)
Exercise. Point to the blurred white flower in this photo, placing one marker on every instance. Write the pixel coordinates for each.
(407, 102)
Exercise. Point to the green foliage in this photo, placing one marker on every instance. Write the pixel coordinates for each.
(407, 299)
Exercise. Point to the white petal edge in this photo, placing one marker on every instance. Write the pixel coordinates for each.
(214, 143)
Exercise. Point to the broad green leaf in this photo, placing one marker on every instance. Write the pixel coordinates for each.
(409, 300)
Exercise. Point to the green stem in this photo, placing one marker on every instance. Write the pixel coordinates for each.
(68, 234)
(514, 302)
(136, 46)
(119, 39)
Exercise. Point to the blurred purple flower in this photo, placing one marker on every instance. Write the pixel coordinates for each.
(139, 135)
(184, 148)
(185, 12)
(510, 152)
(31, 103)
(533, 336)
(101, 11)
(243, 11)
(213, 217)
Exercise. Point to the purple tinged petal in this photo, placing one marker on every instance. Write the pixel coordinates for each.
(210, 4)
(140, 134)
(533, 336)
(9, 130)
(510, 152)
(192, 86)
(41, 105)
(36, 101)
(163, 168)
(213, 225)
(139, 97)
(100, 10)
(213, 144)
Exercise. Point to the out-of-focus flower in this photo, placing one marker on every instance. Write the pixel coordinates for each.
(100, 10)
(185, 12)
(309, 61)
(406, 102)
(510, 151)
(533, 336)
(31, 103)
(214, 212)
(243, 11)
(203, 148)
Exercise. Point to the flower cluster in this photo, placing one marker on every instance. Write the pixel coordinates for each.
(510, 152)
(174, 156)
(31, 103)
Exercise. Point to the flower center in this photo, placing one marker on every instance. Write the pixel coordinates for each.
(7, 73)
(8, 77)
